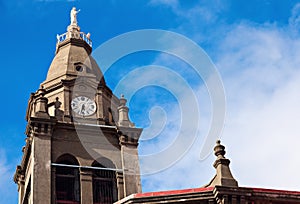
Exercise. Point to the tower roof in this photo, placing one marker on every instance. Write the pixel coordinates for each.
(72, 55)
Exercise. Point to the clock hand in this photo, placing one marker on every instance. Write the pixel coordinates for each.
(82, 109)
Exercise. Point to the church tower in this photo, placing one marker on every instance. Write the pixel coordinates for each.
(81, 146)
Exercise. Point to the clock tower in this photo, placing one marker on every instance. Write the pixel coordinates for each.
(81, 146)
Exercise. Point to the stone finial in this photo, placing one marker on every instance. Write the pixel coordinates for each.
(41, 104)
(223, 175)
(123, 101)
(88, 35)
(123, 114)
(219, 150)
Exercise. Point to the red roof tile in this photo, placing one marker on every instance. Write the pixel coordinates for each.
(173, 192)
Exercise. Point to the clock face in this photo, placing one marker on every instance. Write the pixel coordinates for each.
(83, 105)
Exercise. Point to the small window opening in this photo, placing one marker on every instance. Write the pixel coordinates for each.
(104, 186)
(67, 183)
(79, 68)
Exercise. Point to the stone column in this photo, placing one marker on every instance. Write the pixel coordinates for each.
(86, 185)
(41, 177)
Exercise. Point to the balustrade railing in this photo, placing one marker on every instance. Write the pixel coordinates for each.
(79, 35)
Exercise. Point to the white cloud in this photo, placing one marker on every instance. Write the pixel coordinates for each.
(201, 12)
(6, 179)
(262, 77)
(260, 66)
(294, 20)
(185, 172)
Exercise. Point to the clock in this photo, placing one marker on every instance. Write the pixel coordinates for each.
(83, 106)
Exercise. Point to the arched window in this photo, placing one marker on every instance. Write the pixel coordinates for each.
(67, 181)
(104, 185)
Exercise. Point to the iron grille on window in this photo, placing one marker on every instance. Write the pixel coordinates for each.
(104, 187)
(67, 185)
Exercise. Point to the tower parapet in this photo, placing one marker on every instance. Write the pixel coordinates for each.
(74, 34)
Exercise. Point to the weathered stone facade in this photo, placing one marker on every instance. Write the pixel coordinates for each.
(77, 148)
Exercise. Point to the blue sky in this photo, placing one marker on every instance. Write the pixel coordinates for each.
(254, 45)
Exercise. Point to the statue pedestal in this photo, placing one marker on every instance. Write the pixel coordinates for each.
(73, 28)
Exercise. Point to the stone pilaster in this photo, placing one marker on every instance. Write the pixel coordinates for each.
(120, 185)
(41, 176)
(86, 183)
(130, 160)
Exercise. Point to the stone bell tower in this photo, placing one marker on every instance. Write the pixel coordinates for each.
(80, 145)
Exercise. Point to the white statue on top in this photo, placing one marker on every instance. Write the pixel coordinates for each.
(73, 16)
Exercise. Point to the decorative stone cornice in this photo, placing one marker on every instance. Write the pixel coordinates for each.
(19, 175)
(125, 140)
(129, 135)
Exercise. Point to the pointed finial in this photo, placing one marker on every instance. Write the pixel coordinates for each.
(123, 113)
(223, 175)
(219, 149)
(41, 91)
(88, 35)
(122, 100)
